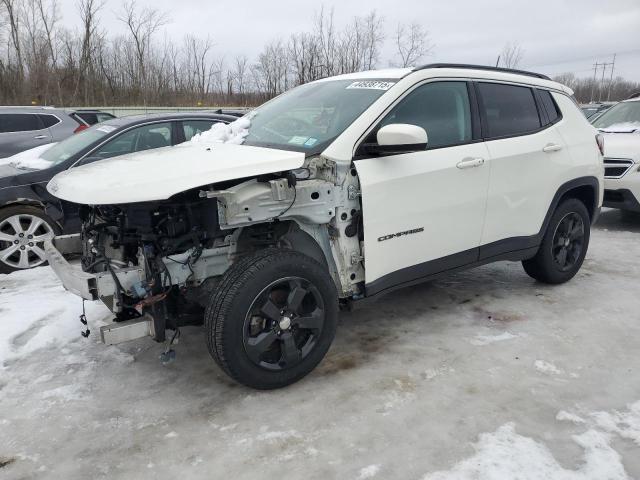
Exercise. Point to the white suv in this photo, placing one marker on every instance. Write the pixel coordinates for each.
(343, 189)
(621, 128)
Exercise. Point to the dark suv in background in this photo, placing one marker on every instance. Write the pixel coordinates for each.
(22, 128)
(29, 214)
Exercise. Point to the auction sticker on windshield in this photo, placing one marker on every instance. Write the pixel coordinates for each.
(371, 85)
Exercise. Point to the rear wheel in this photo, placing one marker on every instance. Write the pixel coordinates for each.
(23, 231)
(564, 244)
(272, 318)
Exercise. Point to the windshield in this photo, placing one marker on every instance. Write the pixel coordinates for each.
(308, 118)
(624, 115)
(74, 144)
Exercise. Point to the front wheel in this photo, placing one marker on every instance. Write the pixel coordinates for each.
(272, 318)
(564, 244)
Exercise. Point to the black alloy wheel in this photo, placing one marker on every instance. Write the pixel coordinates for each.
(568, 241)
(284, 323)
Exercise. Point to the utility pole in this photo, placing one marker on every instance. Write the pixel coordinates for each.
(593, 84)
(613, 65)
(601, 86)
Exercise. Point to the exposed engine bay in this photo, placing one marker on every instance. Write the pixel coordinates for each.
(162, 259)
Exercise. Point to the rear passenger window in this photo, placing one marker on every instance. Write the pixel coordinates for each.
(508, 109)
(19, 122)
(49, 120)
(549, 105)
(441, 108)
(193, 127)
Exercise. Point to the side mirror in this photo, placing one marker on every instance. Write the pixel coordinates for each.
(399, 138)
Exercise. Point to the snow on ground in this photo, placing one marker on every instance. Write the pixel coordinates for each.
(483, 375)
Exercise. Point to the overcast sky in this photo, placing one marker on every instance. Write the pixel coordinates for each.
(557, 35)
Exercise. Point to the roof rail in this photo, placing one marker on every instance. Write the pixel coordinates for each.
(634, 95)
(482, 67)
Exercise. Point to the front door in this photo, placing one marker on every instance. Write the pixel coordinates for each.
(423, 212)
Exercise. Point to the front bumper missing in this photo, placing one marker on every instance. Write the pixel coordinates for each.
(91, 286)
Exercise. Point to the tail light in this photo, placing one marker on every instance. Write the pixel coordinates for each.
(80, 128)
(600, 142)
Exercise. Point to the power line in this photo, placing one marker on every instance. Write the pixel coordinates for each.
(577, 59)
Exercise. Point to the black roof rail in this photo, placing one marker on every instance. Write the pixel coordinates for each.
(634, 95)
(482, 67)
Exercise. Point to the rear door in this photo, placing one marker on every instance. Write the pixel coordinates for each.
(21, 131)
(528, 155)
(423, 212)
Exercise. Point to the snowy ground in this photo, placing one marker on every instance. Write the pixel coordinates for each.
(481, 375)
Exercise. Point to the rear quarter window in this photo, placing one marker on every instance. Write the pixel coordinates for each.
(508, 110)
(49, 120)
(549, 105)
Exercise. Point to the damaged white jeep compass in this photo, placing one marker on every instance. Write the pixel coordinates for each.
(337, 190)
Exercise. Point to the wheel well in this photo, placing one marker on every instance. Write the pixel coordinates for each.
(586, 194)
(285, 234)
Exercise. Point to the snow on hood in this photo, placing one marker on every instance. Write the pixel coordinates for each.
(161, 173)
(234, 132)
(29, 159)
(622, 127)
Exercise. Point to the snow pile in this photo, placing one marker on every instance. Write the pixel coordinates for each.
(234, 132)
(504, 454)
(569, 417)
(546, 367)
(481, 340)
(29, 158)
(52, 319)
(622, 127)
(368, 472)
(625, 424)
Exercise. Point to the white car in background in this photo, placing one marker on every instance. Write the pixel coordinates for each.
(621, 127)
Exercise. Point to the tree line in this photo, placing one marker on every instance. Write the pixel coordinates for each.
(46, 63)
(43, 62)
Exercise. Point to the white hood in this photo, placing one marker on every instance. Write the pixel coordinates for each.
(158, 174)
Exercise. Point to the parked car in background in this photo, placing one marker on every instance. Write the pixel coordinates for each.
(22, 128)
(29, 214)
(621, 127)
(592, 110)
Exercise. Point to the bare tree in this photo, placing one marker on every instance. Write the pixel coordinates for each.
(142, 24)
(12, 7)
(412, 43)
(511, 55)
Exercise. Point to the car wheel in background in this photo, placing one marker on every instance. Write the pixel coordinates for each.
(23, 231)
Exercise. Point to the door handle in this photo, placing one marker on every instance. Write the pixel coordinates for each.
(40, 137)
(470, 163)
(552, 147)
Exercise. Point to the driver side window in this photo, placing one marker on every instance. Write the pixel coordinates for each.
(441, 108)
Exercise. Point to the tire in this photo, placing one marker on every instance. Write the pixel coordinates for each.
(566, 238)
(272, 318)
(19, 251)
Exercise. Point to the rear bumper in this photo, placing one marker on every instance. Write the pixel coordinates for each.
(622, 198)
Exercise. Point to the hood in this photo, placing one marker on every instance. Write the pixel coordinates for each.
(622, 145)
(161, 173)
